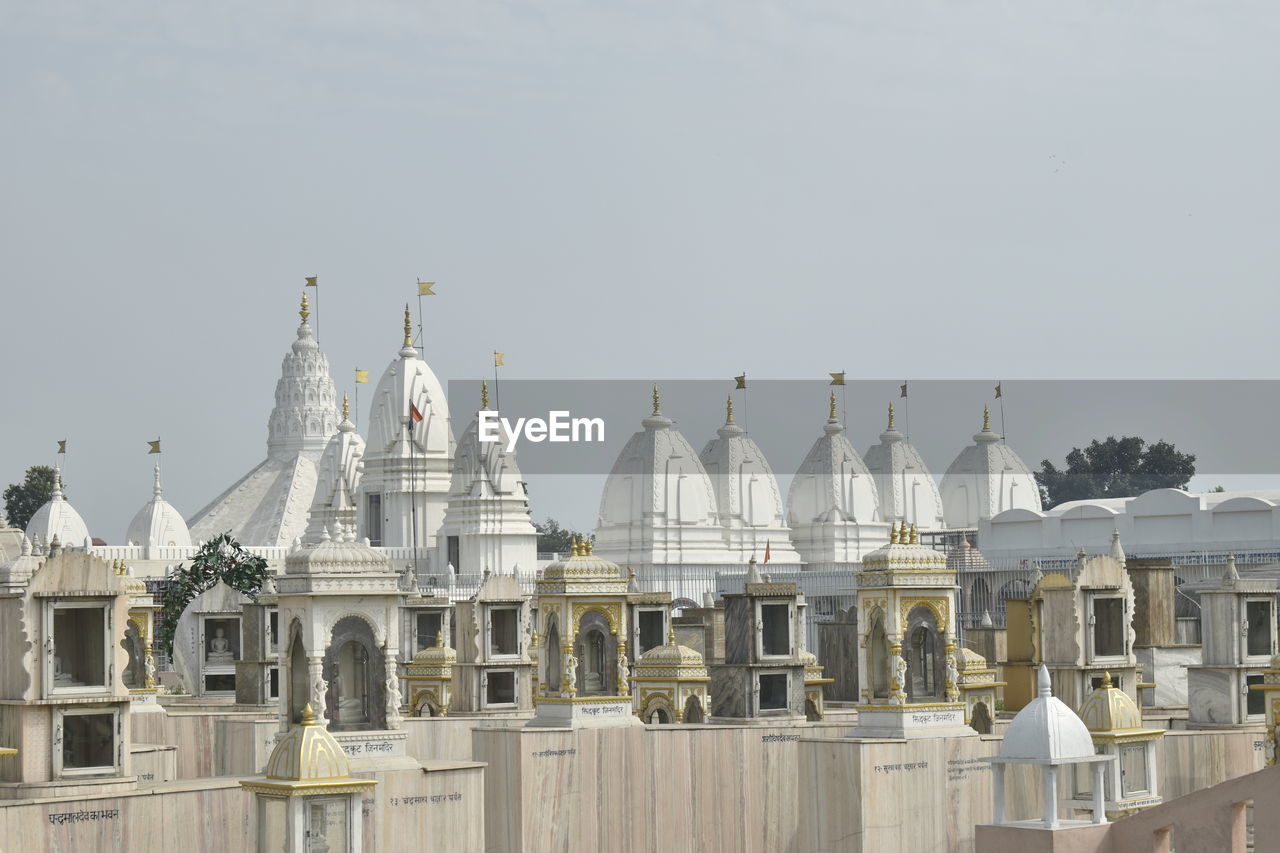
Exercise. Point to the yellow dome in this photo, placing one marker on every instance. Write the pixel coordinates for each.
(437, 655)
(967, 659)
(662, 659)
(308, 753)
(808, 658)
(1109, 709)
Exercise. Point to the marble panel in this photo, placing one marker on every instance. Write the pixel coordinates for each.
(1211, 696)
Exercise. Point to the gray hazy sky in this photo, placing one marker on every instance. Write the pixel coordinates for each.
(660, 189)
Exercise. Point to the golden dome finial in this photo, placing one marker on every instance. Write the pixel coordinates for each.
(891, 416)
(408, 326)
(728, 409)
(915, 536)
(573, 547)
(671, 635)
(832, 412)
(346, 407)
(986, 418)
(893, 534)
(305, 312)
(1106, 679)
(588, 545)
(308, 715)
(656, 398)
(439, 639)
(484, 393)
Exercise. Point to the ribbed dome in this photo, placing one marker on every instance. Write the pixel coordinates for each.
(1110, 709)
(986, 479)
(437, 655)
(904, 553)
(158, 523)
(580, 567)
(748, 502)
(305, 414)
(1046, 730)
(58, 518)
(337, 554)
(308, 753)
(658, 504)
(670, 660)
(968, 659)
(408, 379)
(907, 490)
(832, 484)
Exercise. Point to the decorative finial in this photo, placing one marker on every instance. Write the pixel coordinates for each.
(656, 409)
(408, 326)
(1043, 685)
(728, 408)
(573, 546)
(484, 393)
(893, 534)
(440, 639)
(346, 407)
(308, 715)
(589, 545)
(671, 635)
(891, 416)
(831, 414)
(915, 536)
(156, 489)
(1106, 679)
(305, 312)
(986, 418)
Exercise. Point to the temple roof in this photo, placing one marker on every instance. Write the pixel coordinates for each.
(58, 518)
(906, 488)
(1046, 730)
(833, 484)
(158, 523)
(986, 478)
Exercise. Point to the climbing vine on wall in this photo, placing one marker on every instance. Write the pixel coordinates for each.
(219, 559)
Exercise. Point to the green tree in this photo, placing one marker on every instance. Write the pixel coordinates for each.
(219, 559)
(1115, 468)
(552, 538)
(21, 500)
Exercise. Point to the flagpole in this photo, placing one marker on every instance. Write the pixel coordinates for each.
(317, 286)
(906, 419)
(356, 394)
(844, 401)
(1000, 388)
(746, 413)
(413, 493)
(497, 394)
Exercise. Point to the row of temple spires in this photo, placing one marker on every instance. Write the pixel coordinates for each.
(581, 546)
(904, 535)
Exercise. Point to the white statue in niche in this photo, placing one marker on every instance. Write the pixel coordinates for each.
(896, 694)
(571, 674)
(62, 678)
(393, 695)
(319, 687)
(953, 678)
(624, 673)
(220, 648)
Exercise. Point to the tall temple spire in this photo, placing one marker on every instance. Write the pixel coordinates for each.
(831, 415)
(890, 416)
(346, 409)
(728, 410)
(305, 311)
(408, 326)
(986, 418)
(657, 409)
(484, 394)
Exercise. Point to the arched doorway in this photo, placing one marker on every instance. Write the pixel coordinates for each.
(426, 707)
(135, 674)
(878, 659)
(924, 658)
(693, 712)
(596, 654)
(299, 690)
(659, 714)
(552, 653)
(353, 666)
(980, 719)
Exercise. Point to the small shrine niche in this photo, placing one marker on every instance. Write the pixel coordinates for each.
(208, 642)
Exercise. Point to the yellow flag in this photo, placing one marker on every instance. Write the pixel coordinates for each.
(311, 281)
(497, 358)
(741, 380)
(155, 446)
(62, 446)
(362, 375)
(837, 378)
(424, 288)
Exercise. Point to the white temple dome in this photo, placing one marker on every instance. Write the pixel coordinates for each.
(58, 518)
(337, 479)
(986, 479)
(907, 490)
(305, 413)
(833, 483)
(408, 379)
(748, 502)
(1046, 729)
(484, 469)
(158, 523)
(658, 505)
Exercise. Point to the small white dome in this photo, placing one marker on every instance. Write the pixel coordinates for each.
(58, 518)
(408, 380)
(1046, 730)
(986, 479)
(337, 479)
(906, 488)
(158, 523)
(748, 501)
(658, 505)
(833, 484)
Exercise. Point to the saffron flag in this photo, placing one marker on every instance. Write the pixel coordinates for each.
(766, 551)
(154, 445)
(837, 378)
(311, 281)
(362, 375)
(497, 358)
(414, 414)
(903, 389)
(999, 393)
(424, 288)
(62, 446)
(741, 380)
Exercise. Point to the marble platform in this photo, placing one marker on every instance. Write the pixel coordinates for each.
(584, 712)
(912, 721)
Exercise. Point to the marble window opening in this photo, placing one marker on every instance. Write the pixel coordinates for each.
(220, 642)
(504, 632)
(135, 672)
(925, 658)
(354, 668)
(299, 684)
(693, 711)
(878, 660)
(775, 629)
(328, 824)
(1255, 702)
(373, 519)
(772, 691)
(554, 655)
(597, 656)
(78, 638)
(272, 822)
(651, 629)
(428, 625)
(1106, 616)
(500, 688)
(86, 741)
(1260, 627)
(1133, 769)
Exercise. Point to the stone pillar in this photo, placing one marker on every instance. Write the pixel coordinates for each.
(1099, 783)
(999, 794)
(1153, 595)
(1050, 796)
